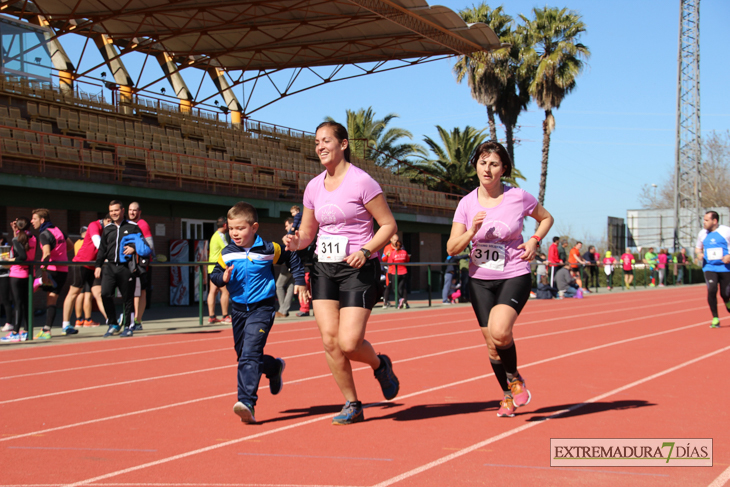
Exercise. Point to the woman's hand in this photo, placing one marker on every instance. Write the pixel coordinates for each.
(303, 294)
(291, 242)
(530, 248)
(356, 259)
(476, 224)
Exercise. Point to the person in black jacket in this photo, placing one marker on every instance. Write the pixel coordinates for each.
(116, 272)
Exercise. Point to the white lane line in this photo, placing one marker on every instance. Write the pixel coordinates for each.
(400, 398)
(177, 484)
(722, 479)
(409, 339)
(526, 426)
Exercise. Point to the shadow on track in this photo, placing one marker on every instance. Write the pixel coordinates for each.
(597, 407)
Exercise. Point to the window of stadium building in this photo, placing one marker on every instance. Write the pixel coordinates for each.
(24, 51)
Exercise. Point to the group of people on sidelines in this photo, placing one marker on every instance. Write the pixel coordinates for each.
(118, 246)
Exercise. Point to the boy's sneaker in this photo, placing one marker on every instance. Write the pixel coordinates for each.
(506, 408)
(212, 320)
(275, 382)
(351, 413)
(388, 381)
(8, 327)
(90, 324)
(11, 338)
(127, 333)
(245, 412)
(112, 330)
(715, 323)
(520, 395)
(227, 320)
(70, 330)
(43, 335)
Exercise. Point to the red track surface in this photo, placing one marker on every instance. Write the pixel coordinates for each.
(156, 411)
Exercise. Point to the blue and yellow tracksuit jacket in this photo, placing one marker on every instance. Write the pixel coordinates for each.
(252, 279)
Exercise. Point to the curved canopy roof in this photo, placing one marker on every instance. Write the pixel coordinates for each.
(273, 34)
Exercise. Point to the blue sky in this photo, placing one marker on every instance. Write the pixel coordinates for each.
(614, 133)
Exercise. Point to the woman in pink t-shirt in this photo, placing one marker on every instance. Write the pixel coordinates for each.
(491, 219)
(339, 207)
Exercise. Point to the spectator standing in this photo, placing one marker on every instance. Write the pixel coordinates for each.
(563, 252)
(119, 241)
(145, 280)
(285, 282)
(218, 242)
(398, 256)
(591, 264)
(54, 245)
(662, 260)
(680, 262)
(450, 279)
(651, 259)
(541, 267)
(554, 258)
(6, 298)
(387, 250)
(82, 278)
(306, 256)
(23, 249)
(545, 290)
(627, 263)
(608, 267)
(464, 277)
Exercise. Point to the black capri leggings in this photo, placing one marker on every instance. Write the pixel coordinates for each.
(6, 299)
(19, 288)
(715, 280)
(513, 292)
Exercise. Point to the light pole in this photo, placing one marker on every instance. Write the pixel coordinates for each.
(654, 186)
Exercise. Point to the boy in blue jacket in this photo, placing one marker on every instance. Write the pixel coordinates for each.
(246, 268)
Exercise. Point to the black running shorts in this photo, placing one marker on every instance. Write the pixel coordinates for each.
(82, 278)
(513, 292)
(59, 278)
(353, 288)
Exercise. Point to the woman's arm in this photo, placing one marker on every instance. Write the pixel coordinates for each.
(460, 236)
(306, 233)
(19, 251)
(380, 211)
(545, 220)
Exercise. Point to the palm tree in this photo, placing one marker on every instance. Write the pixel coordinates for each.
(366, 133)
(485, 72)
(557, 59)
(451, 171)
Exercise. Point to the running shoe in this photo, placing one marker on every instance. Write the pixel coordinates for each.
(280, 315)
(11, 338)
(37, 283)
(90, 324)
(520, 395)
(386, 305)
(275, 382)
(245, 412)
(43, 335)
(127, 333)
(506, 408)
(112, 330)
(715, 323)
(8, 327)
(446, 303)
(227, 320)
(79, 324)
(351, 413)
(137, 326)
(70, 330)
(388, 381)
(400, 303)
(23, 336)
(213, 320)
(302, 314)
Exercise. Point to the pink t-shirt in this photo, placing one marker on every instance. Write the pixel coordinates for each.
(144, 226)
(662, 261)
(502, 225)
(342, 212)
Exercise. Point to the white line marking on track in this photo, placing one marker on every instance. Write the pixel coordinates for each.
(526, 426)
(722, 479)
(418, 393)
(177, 484)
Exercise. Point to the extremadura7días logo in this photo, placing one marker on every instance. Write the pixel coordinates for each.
(631, 452)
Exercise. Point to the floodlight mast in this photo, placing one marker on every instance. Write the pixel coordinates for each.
(688, 151)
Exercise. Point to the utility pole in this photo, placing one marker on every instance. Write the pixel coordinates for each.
(688, 152)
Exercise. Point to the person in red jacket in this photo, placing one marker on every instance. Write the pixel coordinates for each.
(398, 256)
(554, 260)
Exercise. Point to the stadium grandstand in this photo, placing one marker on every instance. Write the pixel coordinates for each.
(71, 140)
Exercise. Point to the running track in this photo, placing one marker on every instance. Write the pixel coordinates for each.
(156, 411)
